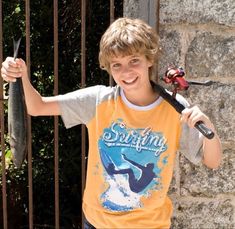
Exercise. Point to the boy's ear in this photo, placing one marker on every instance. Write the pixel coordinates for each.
(150, 63)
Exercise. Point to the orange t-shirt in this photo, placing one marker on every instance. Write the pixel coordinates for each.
(131, 157)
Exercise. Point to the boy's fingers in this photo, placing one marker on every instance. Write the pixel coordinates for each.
(9, 73)
(21, 64)
(185, 115)
(12, 66)
(8, 78)
(10, 61)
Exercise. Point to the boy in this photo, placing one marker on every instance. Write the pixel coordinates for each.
(133, 133)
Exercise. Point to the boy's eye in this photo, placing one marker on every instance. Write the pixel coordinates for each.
(115, 66)
(135, 61)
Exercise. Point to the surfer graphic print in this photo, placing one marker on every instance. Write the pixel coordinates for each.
(130, 159)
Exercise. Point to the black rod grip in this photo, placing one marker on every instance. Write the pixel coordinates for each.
(208, 133)
(204, 130)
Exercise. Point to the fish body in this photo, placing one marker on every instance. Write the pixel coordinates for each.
(17, 123)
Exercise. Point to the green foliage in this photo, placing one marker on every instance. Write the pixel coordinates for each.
(42, 77)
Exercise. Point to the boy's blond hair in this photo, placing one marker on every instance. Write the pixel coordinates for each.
(127, 36)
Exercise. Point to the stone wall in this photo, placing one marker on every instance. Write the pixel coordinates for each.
(200, 36)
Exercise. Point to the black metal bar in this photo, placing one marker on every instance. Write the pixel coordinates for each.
(4, 195)
(206, 83)
(56, 120)
(29, 133)
(83, 83)
(111, 15)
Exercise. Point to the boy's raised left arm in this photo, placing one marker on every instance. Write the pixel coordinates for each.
(212, 150)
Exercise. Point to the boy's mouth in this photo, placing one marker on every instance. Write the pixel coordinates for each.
(130, 81)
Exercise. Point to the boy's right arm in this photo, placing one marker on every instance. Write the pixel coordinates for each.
(36, 104)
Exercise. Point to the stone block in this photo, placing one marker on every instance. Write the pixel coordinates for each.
(211, 55)
(170, 49)
(143, 9)
(131, 8)
(218, 102)
(202, 181)
(197, 12)
(195, 213)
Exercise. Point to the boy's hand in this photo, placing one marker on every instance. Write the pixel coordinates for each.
(193, 115)
(13, 69)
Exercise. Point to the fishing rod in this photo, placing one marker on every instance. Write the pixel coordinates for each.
(175, 76)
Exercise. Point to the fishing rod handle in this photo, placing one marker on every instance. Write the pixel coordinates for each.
(204, 129)
(208, 133)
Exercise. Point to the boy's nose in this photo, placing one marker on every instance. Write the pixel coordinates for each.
(126, 69)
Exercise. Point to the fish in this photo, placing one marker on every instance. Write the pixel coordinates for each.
(17, 118)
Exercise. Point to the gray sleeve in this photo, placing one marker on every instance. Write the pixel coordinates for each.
(191, 144)
(191, 139)
(78, 107)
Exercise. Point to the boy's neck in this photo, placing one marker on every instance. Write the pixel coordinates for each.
(142, 99)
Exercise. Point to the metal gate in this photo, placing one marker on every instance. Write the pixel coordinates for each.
(56, 131)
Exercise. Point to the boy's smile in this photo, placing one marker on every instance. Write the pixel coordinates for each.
(130, 81)
(131, 73)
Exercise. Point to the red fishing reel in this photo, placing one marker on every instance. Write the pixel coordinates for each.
(175, 76)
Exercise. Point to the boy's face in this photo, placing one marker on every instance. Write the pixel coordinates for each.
(131, 73)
